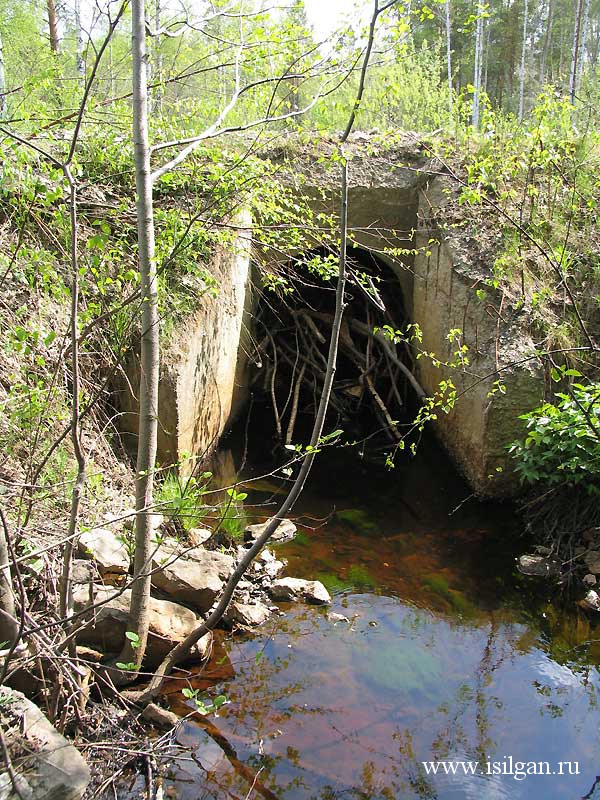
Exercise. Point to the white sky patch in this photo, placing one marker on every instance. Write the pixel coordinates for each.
(326, 15)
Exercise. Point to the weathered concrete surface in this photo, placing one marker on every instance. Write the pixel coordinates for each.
(203, 370)
(483, 421)
(396, 206)
(382, 199)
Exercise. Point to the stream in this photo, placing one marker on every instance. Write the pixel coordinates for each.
(448, 654)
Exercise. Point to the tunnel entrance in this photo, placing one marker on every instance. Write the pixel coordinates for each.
(375, 393)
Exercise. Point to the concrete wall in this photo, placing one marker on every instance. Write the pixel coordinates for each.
(203, 363)
(481, 425)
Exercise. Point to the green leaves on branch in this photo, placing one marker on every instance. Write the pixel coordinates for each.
(562, 444)
(204, 707)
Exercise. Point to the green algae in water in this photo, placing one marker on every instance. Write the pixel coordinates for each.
(439, 586)
(302, 539)
(360, 577)
(332, 582)
(360, 521)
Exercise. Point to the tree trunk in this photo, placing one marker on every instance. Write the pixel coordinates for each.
(478, 64)
(575, 52)
(52, 25)
(156, 95)
(79, 40)
(2, 81)
(149, 357)
(547, 42)
(523, 62)
(9, 627)
(485, 60)
(582, 45)
(449, 55)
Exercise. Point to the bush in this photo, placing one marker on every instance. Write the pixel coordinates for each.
(562, 446)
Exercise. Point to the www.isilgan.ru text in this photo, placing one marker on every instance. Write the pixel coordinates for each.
(519, 770)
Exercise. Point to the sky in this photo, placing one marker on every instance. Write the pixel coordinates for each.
(325, 14)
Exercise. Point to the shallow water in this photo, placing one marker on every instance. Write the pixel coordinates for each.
(449, 655)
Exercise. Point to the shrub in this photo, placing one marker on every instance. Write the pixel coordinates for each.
(562, 445)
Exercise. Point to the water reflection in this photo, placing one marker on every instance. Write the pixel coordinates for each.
(449, 655)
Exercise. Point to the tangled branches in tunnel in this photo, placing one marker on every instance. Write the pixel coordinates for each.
(375, 387)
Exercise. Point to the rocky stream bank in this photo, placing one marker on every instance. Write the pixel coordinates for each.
(188, 574)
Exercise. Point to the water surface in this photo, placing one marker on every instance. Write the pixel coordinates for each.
(449, 654)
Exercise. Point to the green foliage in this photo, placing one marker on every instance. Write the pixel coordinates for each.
(127, 667)
(562, 444)
(134, 639)
(233, 519)
(183, 499)
(203, 706)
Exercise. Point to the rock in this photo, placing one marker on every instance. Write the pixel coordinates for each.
(197, 536)
(156, 520)
(293, 588)
(249, 614)
(52, 769)
(195, 577)
(84, 571)
(539, 566)
(160, 717)
(590, 534)
(334, 617)
(170, 623)
(592, 561)
(109, 552)
(589, 579)
(591, 601)
(283, 532)
(274, 568)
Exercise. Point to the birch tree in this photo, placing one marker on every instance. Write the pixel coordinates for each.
(478, 65)
(575, 52)
(582, 48)
(449, 54)
(134, 650)
(523, 61)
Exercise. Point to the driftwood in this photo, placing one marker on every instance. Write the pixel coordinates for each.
(293, 350)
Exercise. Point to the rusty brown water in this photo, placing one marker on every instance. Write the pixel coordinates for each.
(449, 655)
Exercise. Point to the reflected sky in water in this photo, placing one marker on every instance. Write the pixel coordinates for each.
(449, 655)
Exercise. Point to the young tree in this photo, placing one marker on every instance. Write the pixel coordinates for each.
(575, 51)
(290, 71)
(523, 62)
(478, 65)
(149, 345)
